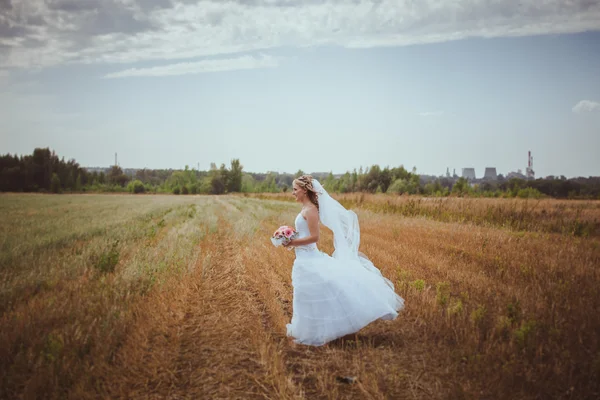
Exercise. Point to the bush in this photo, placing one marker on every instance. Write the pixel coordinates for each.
(529, 193)
(136, 187)
(442, 293)
(419, 284)
(109, 259)
(176, 190)
(400, 186)
(184, 190)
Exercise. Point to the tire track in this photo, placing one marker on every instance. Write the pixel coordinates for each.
(220, 346)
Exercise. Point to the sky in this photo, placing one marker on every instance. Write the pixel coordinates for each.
(317, 85)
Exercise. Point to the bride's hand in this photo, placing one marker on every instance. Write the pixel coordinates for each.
(288, 244)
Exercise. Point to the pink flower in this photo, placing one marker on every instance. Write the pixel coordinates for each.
(284, 231)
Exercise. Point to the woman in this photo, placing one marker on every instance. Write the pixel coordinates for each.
(339, 294)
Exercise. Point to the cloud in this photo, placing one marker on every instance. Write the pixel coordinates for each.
(586, 106)
(228, 64)
(9, 30)
(43, 33)
(99, 17)
(5, 4)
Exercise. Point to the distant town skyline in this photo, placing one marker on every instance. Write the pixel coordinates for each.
(450, 172)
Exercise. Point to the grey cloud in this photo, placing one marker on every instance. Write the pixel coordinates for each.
(33, 43)
(6, 5)
(114, 20)
(145, 30)
(73, 6)
(150, 5)
(36, 20)
(98, 17)
(8, 30)
(275, 3)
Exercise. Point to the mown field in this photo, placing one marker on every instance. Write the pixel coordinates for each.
(122, 296)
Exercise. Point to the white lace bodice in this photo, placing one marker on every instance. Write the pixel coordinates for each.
(303, 231)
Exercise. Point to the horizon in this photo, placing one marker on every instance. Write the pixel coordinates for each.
(350, 83)
(282, 172)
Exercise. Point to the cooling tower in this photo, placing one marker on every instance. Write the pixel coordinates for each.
(490, 173)
(468, 173)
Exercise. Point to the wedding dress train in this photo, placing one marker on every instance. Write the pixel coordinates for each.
(336, 296)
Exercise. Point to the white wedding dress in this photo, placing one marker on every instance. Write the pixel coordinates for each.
(334, 297)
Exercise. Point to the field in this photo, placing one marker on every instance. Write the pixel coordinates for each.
(122, 296)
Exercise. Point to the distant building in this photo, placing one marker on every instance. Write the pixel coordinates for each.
(96, 169)
(529, 172)
(490, 174)
(518, 174)
(468, 173)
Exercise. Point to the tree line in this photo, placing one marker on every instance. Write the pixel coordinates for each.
(44, 171)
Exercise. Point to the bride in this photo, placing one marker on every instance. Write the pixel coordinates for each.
(339, 294)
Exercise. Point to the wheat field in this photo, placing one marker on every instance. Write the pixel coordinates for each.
(175, 297)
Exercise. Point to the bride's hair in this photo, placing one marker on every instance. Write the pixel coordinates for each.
(305, 182)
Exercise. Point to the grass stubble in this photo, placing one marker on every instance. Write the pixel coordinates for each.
(116, 296)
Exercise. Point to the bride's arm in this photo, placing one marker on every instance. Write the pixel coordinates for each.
(312, 217)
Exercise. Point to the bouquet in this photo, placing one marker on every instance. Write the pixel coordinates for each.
(283, 235)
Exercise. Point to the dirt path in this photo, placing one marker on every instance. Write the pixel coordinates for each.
(213, 346)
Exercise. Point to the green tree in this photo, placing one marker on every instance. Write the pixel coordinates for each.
(224, 176)
(269, 185)
(78, 185)
(234, 183)
(217, 186)
(329, 183)
(55, 184)
(248, 183)
(117, 177)
(433, 188)
(177, 179)
(461, 187)
(70, 183)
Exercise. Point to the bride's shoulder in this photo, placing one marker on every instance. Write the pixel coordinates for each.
(311, 211)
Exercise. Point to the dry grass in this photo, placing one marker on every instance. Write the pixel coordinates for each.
(570, 217)
(157, 297)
